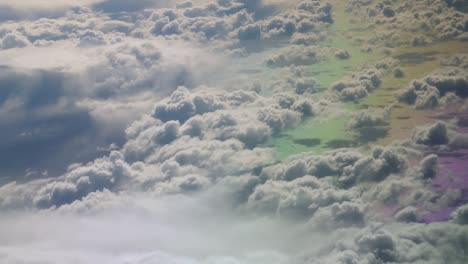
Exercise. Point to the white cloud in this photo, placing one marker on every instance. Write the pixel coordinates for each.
(162, 115)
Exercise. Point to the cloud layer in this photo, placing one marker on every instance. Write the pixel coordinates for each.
(144, 133)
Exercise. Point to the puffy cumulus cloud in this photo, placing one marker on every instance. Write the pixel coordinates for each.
(407, 214)
(199, 165)
(119, 70)
(223, 125)
(221, 22)
(170, 153)
(387, 181)
(460, 216)
(300, 55)
(437, 89)
(97, 74)
(307, 16)
(380, 244)
(213, 158)
(14, 40)
(432, 135)
(328, 164)
(398, 243)
(301, 83)
(300, 197)
(346, 165)
(410, 196)
(459, 60)
(104, 173)
(378, 166)
(304, 85)
(307, 39)
(144, 66)
(75, 24)
(434, 16)
(208, 113)
(439, 134)
(370, 117)
(231, 24)
(216, 183)
(359, 85)
(184, 104)
(152, 137)
(429, 166)
(348, 214)
(184, 166)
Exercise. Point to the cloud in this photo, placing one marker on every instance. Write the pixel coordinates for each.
(431, 135)
(436, 89)
(183, 104)
(306, 39)
(359, 85)
(12, 40)
(300, 197)
(380, 244)
(369, 118)
(179, 139)
(429, 166)
(407, 214)
(32, 9)
(78, 94)
(459, 60)
(300, 55)
(169, 237)
(249, 32)
(447, 21)
(460, 216)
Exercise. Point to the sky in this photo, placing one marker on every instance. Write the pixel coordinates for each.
(233, 131)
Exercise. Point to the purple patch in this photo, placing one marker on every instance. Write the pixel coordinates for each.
(440, 216)
(453, 171)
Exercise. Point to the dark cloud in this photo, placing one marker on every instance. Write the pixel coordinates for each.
(460, 216)
(249, 32)
(429, 166)
(431, 135)
(436, 89)
(342, 55)
(380, 244)
(398, 73)
(44, 122)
